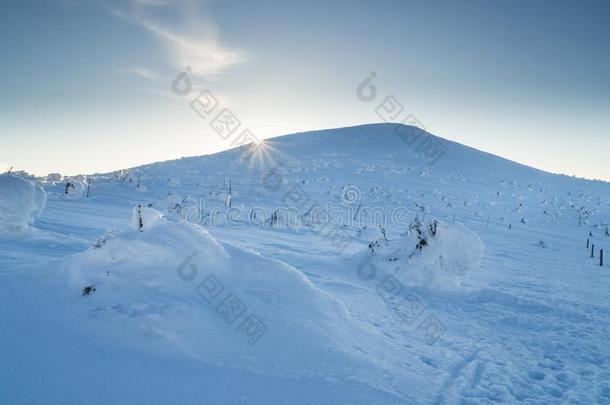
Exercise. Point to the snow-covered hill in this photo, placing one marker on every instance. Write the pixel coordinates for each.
(372, 264)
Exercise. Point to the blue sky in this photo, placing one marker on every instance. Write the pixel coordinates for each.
(86, 84)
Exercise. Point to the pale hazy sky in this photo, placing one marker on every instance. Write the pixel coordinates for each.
(85, 85)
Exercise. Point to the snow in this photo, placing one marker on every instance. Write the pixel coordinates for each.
(435, 254)
(144, 218)
(21, 202)
(54, 177)
(216, 303)
(74, 188)
(502, 304)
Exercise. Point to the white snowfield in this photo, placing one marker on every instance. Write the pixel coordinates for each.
(345, 266)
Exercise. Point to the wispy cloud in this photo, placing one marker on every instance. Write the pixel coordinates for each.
(144, 73)
(187, 32)
(203, 53)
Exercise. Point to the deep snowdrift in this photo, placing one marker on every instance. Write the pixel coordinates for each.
(21, 201)
(219, 304)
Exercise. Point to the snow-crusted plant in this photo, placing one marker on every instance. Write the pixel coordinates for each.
(273, 219)
(382, 240)
(383, 234)
(374, 245)
(21, 202)
(69, 186)
(584, 216)
(144, 218)
(74, 188)
(124, 176)
(140, 222)
(176, 207)
(423, 233)
(101, 241)
(54, 177)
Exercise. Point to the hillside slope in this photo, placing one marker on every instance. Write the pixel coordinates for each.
(353, 265)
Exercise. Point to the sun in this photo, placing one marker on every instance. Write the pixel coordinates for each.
(261, 155)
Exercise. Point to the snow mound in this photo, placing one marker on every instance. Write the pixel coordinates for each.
(54, 177)
(144, 218)
(217, 303)
(434, 254)
(74, 187)
(21, 201)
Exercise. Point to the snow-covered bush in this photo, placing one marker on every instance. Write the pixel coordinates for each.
(143, 218)
(451, 252)
(23, 174)
(54, 177)
(21, 201)
(101, 240)
(433, 254)
(141, 188)
(171, 202)
(74, 187)
(368, 233)
(286, 218)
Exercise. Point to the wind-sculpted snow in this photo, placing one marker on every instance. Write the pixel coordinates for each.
(21, 202)
(219, 304)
